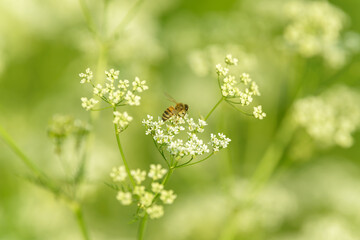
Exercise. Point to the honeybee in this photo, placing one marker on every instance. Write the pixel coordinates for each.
(180, 109)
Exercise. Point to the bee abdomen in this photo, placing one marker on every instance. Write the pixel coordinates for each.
(169, 112)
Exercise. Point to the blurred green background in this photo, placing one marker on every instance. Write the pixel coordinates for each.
(313, 191)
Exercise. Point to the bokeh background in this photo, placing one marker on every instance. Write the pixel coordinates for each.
(304, 55)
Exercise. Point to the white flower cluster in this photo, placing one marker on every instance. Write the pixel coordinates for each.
(231, 88)
(258, 113)
(88, 104)
(330, 118)
(315, 29)
(115, 92)
(143, 196)
(168, 135)
(219, 143)
(121, 120)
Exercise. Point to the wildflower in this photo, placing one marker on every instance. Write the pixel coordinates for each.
(123, 84)
(219, 142)
(245, 78)
(156, 172)
(330, 118)
(167, 197)
(245, 97)
(314, 29)
(254, 89)
(99, 90)
(155, 211)
(115, 95)
(156, 187)
(230, 60)
(235, 92)
(86, 77)
(132, 99)
(221, 71)
(138, 175)
(139, 190)
(112, 75)
(168, 135)
(121, 120)
(258, 113)
(146, 199)
(88, 104)
(138, 85)
(118, 174)
(124, 197)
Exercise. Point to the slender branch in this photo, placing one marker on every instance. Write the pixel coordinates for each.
(212, 110)
(180, 166)
(161, 152)
(122, 154)
(10, 142)
(77, 209)
(248, 114)
(142, 227)
(186, 162)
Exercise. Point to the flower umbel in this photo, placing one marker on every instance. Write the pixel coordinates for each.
(237, 92)
(144, 195)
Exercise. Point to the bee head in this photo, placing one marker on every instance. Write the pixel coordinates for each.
(186, 107)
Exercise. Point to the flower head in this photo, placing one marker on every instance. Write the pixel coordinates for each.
(124, 197)
(118, 174)
(121, 120)
(167, 197)
(155, 211)
(156, 172)
(88, 104)
(258, 112)
(138, 175)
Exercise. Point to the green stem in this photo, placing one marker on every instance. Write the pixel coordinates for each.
(180, 166)
(10, 142)
(77, 209)
(142, 226)
(238, 109)
(123, 155)
(212, 110)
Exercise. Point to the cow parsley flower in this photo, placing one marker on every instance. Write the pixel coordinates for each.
(221, 71)
(147, 197)
(330, 118)
(168, 135)
(121, 120)
(219, 142)
(86, 77)
(156, 172)
(118, 174)
(115, 91)
(124, 197)
(236, 92)
(156, 187)
(155, 211)
(230, 60)
(138, 175)
(315, 29)
(258, 113)
(88, 104)
(167, 197)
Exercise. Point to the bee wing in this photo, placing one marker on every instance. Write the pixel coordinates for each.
(170, 97)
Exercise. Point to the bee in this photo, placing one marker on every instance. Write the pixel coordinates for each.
(180, 109)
